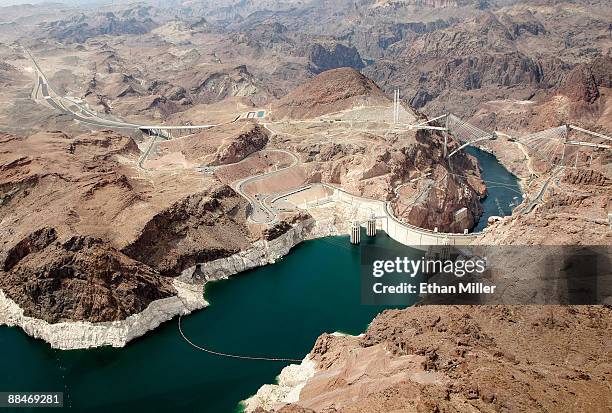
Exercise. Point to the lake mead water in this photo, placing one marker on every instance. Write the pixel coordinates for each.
(277, 311)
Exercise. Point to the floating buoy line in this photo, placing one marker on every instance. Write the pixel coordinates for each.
(235, 356)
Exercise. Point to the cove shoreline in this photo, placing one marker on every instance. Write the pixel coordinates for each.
(76, 335)
(73, 335)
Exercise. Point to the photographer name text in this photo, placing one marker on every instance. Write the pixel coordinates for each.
(432, 288)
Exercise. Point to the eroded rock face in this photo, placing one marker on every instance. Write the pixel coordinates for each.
(219, 145)
(81, 27)
(85, 238)
(475, 60)
(406, 167)
(575, 209)
(180, 236)
(411, 172)
(324, 58)
(329, 92)
(80, 279)
(462, 359)
(246, 143)
(430, 201)
(582, 84)
(213, 86)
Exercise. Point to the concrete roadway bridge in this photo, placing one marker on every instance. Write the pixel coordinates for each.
(171, 132)
(401, 232)
(549, 144)
(545, 143)
(552, 144)
(82, 114)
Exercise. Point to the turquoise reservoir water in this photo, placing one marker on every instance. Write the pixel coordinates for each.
(503, 187)
(277, 310)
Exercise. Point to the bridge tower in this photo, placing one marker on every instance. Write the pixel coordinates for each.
(564, 136)
(371, 226)
(396, 106)
(355, 232)
(446, 136)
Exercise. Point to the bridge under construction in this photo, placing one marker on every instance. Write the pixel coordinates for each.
(560, 146)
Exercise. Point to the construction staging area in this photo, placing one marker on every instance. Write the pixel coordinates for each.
(285, 181)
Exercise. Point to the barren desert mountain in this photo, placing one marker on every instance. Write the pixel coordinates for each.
(85, 237)
(326, 57)
(450, 56)
(331, 91)
(232, 81)
(152, 145)
(380, 164)
(464, 358)
(80, 28)
(588, 86)
(584, 81)
(8, 73)
(506, 49)
(412, 166)
(582, 97)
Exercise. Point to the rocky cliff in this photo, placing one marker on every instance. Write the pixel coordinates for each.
(326, 57)
(85, 238)
(220, 145)
(404, 166)
(488, 53)
(186, 294)
(575, 208)
(212, 86)
(80, 27)
(462, 359)
(411, 173)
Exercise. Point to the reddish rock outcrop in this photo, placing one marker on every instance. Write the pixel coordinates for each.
(406, 167)
(464, 359)
(583, 82)
(81, 278)
(219, 145)
(84, 237)
(331, 91)
(241, 146)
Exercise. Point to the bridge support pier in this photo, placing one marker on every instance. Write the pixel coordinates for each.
(355, 232)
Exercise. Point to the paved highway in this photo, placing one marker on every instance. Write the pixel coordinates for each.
(536, 200)
(82, 114)
(63, 105)
(260, 212)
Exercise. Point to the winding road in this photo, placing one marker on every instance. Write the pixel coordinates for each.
(260, 212)
(536, 200)
(82, 114)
